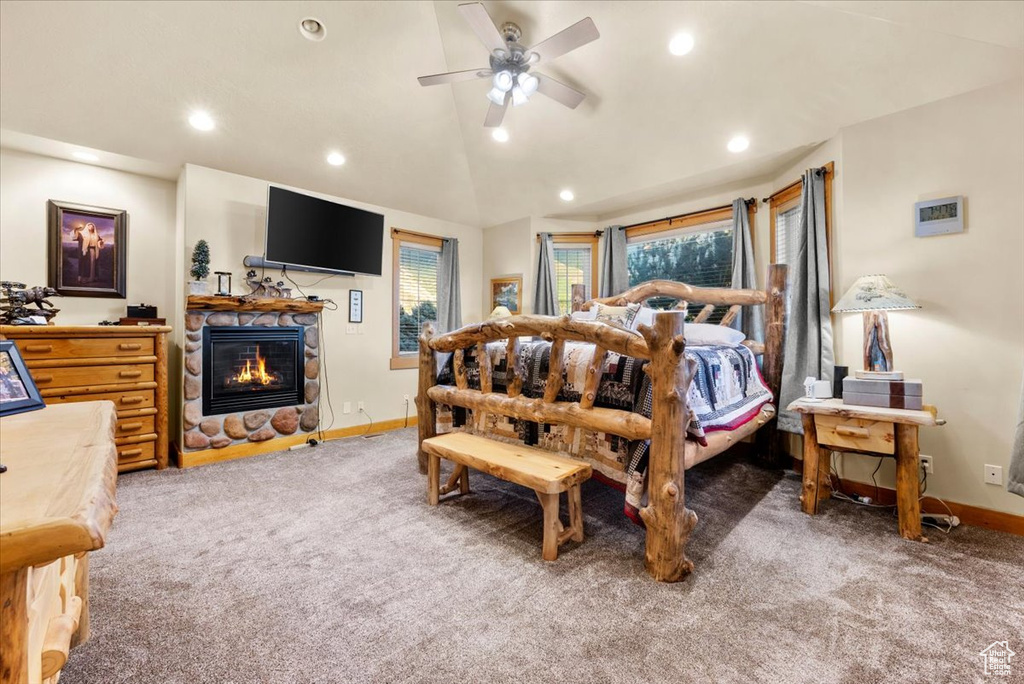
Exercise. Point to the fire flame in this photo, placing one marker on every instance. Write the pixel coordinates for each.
(258, 375)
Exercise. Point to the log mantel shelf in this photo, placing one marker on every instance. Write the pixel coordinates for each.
(248, 303)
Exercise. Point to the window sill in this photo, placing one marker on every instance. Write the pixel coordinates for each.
(400, 362)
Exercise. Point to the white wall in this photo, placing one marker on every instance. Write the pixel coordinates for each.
(229, 211)
(505, 253)
(27, 181)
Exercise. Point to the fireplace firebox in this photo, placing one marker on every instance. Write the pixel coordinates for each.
(251, 368)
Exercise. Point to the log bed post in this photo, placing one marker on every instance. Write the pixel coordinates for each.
(668, 520)
(426, 409)
(774, 352)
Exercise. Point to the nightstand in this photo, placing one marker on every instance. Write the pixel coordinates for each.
(830, 425)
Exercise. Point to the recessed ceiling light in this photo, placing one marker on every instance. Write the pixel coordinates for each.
(85, 156)
(201, 121)
(500, 134)
(567, 196)
(738, 144)
(312, 29)
(680, 44)
(335, 159)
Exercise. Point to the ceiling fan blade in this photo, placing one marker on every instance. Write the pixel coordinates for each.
(495, 113)
(580, 33)
(480, 21)
(454, 76)
(559, 92)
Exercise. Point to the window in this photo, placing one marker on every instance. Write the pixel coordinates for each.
(575, 264)
(414, 266)
(695, 249)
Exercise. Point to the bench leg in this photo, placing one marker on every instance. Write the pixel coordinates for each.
(575, 513)
(433, 479)
(551, 525)
(464, 481)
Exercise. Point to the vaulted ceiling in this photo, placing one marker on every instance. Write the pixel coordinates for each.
(121, 77)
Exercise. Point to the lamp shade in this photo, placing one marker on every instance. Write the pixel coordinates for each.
(499, 312)
(874, 293)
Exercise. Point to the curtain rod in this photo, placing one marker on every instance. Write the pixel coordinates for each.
(748, 200)
(823, 169)
(596, 233)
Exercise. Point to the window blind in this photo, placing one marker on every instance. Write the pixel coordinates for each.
(787, 247)
(696, 256)
(417, 292)
(572, 267)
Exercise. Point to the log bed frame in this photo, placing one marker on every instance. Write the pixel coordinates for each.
(667, 519)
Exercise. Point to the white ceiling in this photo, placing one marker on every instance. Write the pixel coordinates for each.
(122, 76)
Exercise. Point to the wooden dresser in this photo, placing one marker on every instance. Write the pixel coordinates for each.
(124, 364)
(56, 505)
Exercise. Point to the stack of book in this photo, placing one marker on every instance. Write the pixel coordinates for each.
(885, 389)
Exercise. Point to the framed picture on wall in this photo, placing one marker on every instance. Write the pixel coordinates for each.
(88, 255)
(18, 392)
(507, 291)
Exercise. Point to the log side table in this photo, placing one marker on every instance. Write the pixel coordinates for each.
(830, 425)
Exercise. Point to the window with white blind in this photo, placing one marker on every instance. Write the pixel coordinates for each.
(415, 293)
(787, 247)
(698, 255)
(573, 266)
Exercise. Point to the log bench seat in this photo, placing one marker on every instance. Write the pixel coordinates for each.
(547, 474)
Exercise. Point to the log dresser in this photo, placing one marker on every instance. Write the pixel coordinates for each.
(123, 364)
(56, 505)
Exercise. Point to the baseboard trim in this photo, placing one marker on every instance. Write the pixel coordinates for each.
(190, 459)
(976, 516)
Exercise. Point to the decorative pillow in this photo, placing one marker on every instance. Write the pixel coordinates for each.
(706, 334)
(619, 316)
(585, 315)
(645, 316)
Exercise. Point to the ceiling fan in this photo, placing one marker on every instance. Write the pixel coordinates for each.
(511, 63)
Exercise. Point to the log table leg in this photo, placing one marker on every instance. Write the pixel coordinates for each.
(816, 468)
(908, 503)
(14, 626)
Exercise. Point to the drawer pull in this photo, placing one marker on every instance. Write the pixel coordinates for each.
(42, 378)
(847, 431)
(128, 427)
(130, 452)
(38, 348)
(130, 374)
(129, 346)
(132, 400)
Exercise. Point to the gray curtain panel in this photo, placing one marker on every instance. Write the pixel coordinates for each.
(744, 276)
(809, 333)
(545, 297)
(1016, 481)
(614, 276)
(449, 299)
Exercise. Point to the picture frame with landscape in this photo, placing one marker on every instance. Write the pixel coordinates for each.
(507, 291)
(18, 392)
(88, 254)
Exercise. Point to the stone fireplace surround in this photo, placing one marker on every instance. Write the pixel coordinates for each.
(203, 432)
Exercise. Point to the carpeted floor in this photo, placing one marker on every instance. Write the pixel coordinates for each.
(326, 565)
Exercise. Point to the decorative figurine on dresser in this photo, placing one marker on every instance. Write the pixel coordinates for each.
(15, 300)
(125, 364)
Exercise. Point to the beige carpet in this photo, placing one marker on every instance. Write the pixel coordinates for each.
(326, 565)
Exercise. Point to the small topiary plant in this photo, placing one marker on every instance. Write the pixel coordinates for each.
(201, 260)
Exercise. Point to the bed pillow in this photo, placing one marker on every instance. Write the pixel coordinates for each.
(585, 315)
(619, 316)
(706, 334)
(645, 316)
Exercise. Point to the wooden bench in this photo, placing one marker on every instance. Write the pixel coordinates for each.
(547, 474)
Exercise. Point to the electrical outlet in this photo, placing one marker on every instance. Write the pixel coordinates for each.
(362, 407)
(926, 463)
(346, 407)
(993, 474)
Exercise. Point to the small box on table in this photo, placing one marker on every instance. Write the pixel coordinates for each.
(902, 394)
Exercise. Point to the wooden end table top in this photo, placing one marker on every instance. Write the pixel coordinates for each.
(836, 407)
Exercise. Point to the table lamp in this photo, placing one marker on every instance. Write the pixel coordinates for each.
(499, 312)
(873, 295)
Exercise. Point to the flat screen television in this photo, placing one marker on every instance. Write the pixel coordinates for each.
(316, 233)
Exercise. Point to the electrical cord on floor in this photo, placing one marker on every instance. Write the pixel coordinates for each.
(921, 497)
(843, 496)
(370, 426)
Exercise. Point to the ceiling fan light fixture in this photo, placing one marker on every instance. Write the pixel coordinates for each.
(528, 83)
(497, 96)
(503, 81)
(519, 97)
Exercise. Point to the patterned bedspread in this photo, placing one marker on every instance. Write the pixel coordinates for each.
(726, 392)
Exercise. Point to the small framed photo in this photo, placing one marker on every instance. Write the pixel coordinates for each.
(939, 217)
(507, 291)
(355, 306)
(88, 252)
(18, 392)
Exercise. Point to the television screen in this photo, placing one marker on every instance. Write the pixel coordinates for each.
(309, 231)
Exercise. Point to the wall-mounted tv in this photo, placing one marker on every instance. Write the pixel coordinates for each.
(316, 233)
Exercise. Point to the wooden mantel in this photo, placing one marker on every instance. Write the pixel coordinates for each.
(231, 303)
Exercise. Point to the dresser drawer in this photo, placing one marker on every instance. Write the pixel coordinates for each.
(128, 399)
(133, 453)
(63, 348)
(80, 376)
(136, 425)
(854, 433)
